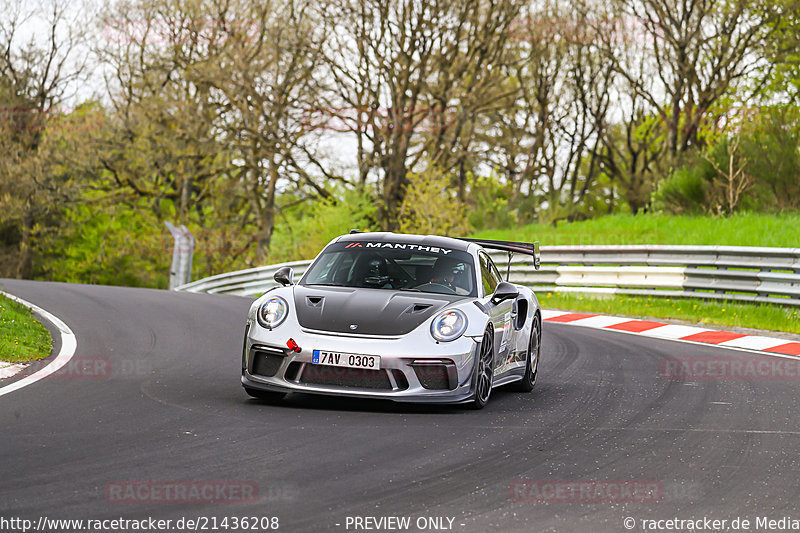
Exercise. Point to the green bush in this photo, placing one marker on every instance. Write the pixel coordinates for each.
(765, 151)
(489, 202)
(771, 147)
(684, 192)
(304, 230)
(431, 206)
(114, 246)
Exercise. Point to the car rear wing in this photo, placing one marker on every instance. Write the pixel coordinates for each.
(527, 248)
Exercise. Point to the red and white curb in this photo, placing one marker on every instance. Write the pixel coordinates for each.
(69, 344)
(8, 370)
(662, 330)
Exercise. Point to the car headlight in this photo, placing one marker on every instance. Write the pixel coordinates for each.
(449, 325)
(272, 312)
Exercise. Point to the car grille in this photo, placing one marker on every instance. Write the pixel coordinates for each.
(292, 370)
(400, 379)
(265, 362)
(432, 377)
(345, 377)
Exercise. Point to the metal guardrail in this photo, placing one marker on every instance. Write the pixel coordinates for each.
(248, 282)
(744, 273)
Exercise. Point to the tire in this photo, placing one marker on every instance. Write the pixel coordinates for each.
(484, 371)
(528, 380)
(265, 395)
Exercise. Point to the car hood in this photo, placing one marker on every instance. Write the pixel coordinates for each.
(371, 311)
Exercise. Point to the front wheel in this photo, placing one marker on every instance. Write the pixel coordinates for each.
(532, 363)
(484, 371)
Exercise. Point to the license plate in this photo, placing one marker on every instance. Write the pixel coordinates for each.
(347, 360)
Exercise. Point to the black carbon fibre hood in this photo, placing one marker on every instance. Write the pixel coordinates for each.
(372, 311)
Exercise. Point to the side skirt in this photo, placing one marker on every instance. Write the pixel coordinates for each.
(505, 380)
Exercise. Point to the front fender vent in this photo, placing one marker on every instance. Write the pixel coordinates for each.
(418, 308)
(314, 301)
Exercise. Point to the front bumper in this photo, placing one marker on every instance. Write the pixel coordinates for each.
(411, 370)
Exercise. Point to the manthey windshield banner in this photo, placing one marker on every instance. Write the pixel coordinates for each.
(396, 246)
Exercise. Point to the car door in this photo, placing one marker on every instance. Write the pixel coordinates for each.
(500, 314)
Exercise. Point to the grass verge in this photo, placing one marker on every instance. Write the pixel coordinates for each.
(747, 229)
(22, 337)
(744, 315)
(737, 230)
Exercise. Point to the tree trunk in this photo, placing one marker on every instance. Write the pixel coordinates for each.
(25, 258)
(186, 195)
(267, 217)
(394, 188)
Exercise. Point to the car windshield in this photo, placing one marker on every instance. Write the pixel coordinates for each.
(394, 266)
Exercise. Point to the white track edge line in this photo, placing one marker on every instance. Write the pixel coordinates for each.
(69, 343)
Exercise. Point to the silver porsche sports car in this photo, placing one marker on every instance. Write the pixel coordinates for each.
(412, 318)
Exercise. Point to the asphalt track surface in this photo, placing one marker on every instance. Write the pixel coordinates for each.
(173, 409)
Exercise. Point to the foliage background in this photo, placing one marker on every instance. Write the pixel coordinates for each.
(268, 128)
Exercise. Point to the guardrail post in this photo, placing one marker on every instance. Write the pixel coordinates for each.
(180, 272)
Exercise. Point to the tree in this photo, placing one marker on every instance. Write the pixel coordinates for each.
(632, 155)
(547, 142)
(409, 79)
(35, 80)
(264, 77)
(689, 55)
(198, 77)
(731, 179)
(782, 50)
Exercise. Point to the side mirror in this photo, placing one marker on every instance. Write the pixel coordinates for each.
(285, 276)
(504, 291)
